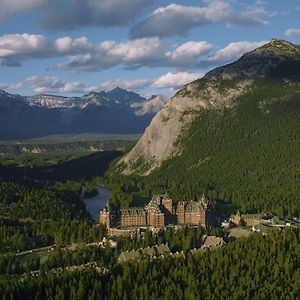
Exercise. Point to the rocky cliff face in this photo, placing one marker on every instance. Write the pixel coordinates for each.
(218, 89)
(153, 105)
(158, 141)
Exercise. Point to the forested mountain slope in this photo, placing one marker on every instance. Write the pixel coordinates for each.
(234, 134)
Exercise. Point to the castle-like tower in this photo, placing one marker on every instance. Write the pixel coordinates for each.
(160, 212)
(195, 212)
(105, 217)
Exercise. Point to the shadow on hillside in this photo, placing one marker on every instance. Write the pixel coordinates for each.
(81, 168)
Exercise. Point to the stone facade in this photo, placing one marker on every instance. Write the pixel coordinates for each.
(195, 212)
(135, 215)
(160, 212)
(158, 215)
(106, 216)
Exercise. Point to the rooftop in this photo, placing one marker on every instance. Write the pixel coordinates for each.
(132, 211)
(211, 241)
(149, 251)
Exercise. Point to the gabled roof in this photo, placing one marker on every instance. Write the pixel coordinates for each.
(149, 251)
(163, 249)
(132, 211)
(125, 256)
(212, 241)
(199, 205)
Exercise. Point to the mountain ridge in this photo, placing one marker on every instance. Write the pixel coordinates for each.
(115, 111)
(232, 136)
(218, 89)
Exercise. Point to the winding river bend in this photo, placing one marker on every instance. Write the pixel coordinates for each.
(95, 204)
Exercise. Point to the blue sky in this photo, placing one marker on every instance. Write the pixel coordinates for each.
(71, 47)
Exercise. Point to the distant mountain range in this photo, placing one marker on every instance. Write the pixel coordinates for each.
(115, 111)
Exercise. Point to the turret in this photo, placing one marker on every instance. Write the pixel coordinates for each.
(105, 216)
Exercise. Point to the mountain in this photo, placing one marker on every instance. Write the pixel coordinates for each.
(234, 134)
(153, 105)
(115, 111)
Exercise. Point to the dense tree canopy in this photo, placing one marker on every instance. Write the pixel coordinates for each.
(264, 267)
(34, 217)
(248, 154)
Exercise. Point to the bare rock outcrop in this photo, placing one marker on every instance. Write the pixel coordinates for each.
(157, 143)
(219, 88)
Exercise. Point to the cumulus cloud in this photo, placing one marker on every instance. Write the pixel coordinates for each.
(177, 19)
(54, 85)
(149, 52)
(175, 80)
(15, 48)
(51, 84)
(188, 53)
(110, 53)
(293, 32)
(83, 56)
(232, 51)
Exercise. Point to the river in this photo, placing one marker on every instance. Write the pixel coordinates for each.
(95, 204)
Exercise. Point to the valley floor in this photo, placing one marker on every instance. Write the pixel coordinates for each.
(51, 248)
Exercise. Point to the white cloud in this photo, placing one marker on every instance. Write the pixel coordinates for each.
(149, 52)
(51, 84)
(177, 19)
(175, 80)
(293, 32)
(135, 51)
(84, 56)
(110, 53)
(67, 45)
(232, 51)
(15, 48)
(22, 44)
(192, 48)
(188, 53)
